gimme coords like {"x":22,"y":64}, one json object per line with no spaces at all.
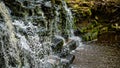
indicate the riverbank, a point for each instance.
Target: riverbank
{"x":97,"y":55}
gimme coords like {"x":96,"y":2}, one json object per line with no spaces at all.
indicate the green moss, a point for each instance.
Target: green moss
{"x":100,"y":16}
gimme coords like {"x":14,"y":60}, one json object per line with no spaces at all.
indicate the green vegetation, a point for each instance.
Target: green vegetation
{"x":95,"y":17}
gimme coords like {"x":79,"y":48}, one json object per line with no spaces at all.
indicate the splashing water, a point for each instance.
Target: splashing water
{"x":25,"y":45}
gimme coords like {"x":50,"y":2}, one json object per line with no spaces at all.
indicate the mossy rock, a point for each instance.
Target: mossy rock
{"x":90,"y":36}
{"x":87,"y":37}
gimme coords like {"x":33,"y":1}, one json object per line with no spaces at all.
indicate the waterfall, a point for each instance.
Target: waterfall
{"x":69,"y":20}
{"x":28,"y":42}
{"x":12,"y":47}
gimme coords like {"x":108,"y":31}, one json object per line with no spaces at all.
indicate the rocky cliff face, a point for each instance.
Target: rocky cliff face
{"x":27,"y":30}
{"x":23,"y":8}
{"x":95,"y":17}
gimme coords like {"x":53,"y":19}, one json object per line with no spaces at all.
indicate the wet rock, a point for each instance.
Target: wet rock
{"x":72,"y":45}
{"x":53,"y":61}
{"x":58,"y":2}
{"x":45,"y":8}
{"x":22,"y":8}
{"x":71,"y":58}
{"x":57,"y":44}
{"x":12,"y":61}
{"x":2,"y":61}
{"x":43,"y":32}
{"x":65,"y":37}
{"x":35,"y":24}
{"x":77,"y":32}
{"x":65,"y":51}
{"x":67,"y":61}
{"x":30,"y":31}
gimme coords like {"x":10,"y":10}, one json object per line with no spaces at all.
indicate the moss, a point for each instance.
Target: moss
{"x":101,"y":15}
{"x":90,"y":36}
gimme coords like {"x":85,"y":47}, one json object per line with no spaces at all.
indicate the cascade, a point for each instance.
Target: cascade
{"x":36,"y":40}
{"x":11,"y":46}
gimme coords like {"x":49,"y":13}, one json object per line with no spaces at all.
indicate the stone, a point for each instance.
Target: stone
{"x":72,"y":45}
{"x":71,"y":58}
{"x":77,"y":32}
{"x":43,"y":32}
{"x":2,"y":60}
{"x":65,"y":37}
{"x":50,"y":14}
{"x":67,"y":61}
{"x":53,"y":61}
{"x":65,"y":51}
{"x":57,"y":44}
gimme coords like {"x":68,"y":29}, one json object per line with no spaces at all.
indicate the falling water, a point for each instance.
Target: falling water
{"x":38,"y":47}
{"x":27,"y":45}
{"x":12,"y":47}
{"x":70,"y":23}
{"x":69,"y":20}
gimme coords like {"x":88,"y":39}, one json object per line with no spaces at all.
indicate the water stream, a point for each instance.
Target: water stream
{"x":27,"y":44}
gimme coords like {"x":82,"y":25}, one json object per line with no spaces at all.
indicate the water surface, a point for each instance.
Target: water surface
{"x":98,"y":55}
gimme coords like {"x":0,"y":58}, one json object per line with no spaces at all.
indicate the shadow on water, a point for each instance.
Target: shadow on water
{"x":109,"y":37}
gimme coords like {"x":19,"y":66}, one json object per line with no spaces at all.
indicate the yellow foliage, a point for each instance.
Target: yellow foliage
{"x":76,"y":6}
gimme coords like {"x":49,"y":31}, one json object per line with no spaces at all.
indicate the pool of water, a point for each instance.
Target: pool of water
{"x":97,"y":55}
